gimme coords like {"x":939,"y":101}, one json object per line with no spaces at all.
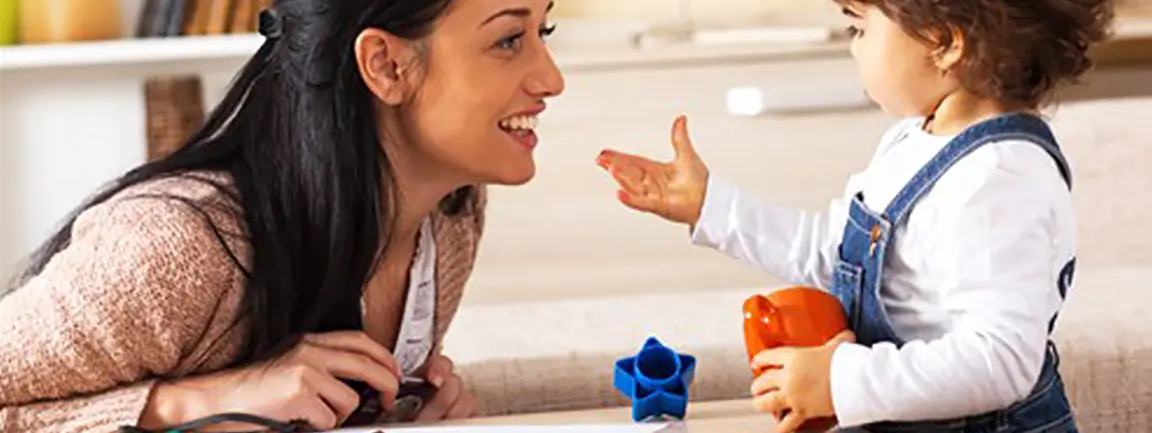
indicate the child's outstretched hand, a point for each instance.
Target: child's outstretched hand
{"x":673,"y":190}
{"x":797,"y":386}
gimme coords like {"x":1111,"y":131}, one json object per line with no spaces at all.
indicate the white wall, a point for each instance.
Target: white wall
{"x":701,"y":10}
{"x":66,"y":131}
{"x":48,"y":166}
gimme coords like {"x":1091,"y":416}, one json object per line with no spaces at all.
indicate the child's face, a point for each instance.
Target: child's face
{"x":899,"y":72}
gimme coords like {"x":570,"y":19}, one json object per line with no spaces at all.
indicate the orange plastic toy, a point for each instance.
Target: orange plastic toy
{"x":795,"y":316}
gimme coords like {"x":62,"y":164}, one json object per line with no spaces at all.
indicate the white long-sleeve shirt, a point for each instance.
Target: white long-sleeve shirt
{"x":970,"y":283}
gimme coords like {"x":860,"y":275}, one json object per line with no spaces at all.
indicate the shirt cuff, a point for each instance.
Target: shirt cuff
{"x":715,"y":213}
{"x":848,"y":385}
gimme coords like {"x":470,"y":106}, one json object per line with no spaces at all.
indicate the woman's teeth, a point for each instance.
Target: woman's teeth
{"x":515,"y":123}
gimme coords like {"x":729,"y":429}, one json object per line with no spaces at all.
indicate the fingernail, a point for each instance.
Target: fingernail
{"x":436,"y":380}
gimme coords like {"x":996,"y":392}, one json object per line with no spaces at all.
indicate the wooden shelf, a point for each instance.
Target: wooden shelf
{"x":140,"y":56}
{"x":127,"y":52}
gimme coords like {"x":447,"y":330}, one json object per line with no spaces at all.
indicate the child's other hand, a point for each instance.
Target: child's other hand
{"x":673,"y":190}
{"x":796,"y":387}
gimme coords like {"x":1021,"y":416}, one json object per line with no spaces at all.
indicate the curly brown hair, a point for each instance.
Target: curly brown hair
{"x":1018,"y":51}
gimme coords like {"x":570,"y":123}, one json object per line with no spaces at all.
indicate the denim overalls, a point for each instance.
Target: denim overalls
{"x":860,"y":266}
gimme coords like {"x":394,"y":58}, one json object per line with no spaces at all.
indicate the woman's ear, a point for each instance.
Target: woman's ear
{"x":380,"y":56}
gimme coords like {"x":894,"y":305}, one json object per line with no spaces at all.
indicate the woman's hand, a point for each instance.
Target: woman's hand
{"x":305,"y":384}
{"x":797,"y":386}
{"x":673,"y":190}
{"x":451,"y":400}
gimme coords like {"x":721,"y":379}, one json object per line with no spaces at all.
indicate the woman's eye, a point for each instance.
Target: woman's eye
{"x":511,"y":42}
{"x":547,"y":31}
{"x":854,"y":31}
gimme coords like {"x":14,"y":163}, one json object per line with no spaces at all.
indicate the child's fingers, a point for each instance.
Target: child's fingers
{"x":843,"y":337}
{"x":632,"y":179}
{"x":791,"y":422}
{"x":638,"y":202}
{"x":777,"y":357}
{"x":608,"y":158}
{"x":604,"y":161}
{"x":768,"y":381}
{"x":770,"y":403}
{"x":681,"y":142}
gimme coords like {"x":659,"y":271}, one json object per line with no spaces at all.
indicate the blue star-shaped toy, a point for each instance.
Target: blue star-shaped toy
{"x":656,"y":380}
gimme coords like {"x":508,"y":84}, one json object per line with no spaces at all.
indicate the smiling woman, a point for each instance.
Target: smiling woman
{"x":482,"y":68}
{"x":305,"y":251}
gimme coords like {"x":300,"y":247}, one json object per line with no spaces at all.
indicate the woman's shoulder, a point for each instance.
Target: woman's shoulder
{"x":200,"y":188}
{"x":184,"y":197}
{"x":468,"y":221}
{"x":457,"y":239}
{"x":179,"y":238}
{"x":145,"y":285}
{"x":458,"y":236}
{"x":196,"y":211}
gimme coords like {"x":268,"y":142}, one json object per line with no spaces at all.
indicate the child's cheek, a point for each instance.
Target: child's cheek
{"x":871,"y":71}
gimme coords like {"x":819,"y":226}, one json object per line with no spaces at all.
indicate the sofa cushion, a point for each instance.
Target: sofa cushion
{"x":1109,"y":152}
{"x":535,"y":357}
{"x":548,"y":356}
{"x":1106,"y":351}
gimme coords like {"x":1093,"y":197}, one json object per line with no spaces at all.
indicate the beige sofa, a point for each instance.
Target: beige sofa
{"x":569,"y":281}
{"x":547,"y":356}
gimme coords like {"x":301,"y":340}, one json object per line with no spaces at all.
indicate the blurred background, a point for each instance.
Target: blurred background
{"x":91,"y":88}
{"x":568,"y":280}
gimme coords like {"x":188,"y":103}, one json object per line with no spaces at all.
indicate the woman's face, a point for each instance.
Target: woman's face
{"x":484,"y":75}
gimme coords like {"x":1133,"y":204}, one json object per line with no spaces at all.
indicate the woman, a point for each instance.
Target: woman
{"x":308,"y":247}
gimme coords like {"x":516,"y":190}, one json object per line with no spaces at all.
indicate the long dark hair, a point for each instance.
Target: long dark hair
{"x":297,"y":135}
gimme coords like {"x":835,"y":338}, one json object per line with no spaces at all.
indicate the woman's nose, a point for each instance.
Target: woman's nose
{"x":546,"y":79}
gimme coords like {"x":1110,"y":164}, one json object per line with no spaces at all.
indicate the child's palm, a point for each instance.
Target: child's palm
{"x":673,"y":190}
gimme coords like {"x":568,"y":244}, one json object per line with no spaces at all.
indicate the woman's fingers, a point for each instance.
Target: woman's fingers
{"x":317,"y":413}
{"x":354,"y":366}
{"x":465,"y":406}
{"x":359,"y":342}
{"x":446,"y":396}
{"x":338,"y":396}
{"x":440,"y":368}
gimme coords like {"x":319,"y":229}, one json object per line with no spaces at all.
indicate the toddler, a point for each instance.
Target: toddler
{"x":951,"y":252}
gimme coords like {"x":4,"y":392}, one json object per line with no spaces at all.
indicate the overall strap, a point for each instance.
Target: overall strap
{"x":1016,"y":126}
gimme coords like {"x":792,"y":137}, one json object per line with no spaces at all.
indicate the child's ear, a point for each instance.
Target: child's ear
{"x":950,"y":51}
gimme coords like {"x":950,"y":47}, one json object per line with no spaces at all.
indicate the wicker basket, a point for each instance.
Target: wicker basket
{"x":1134,"y":8}
{"x":175,"y":109}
